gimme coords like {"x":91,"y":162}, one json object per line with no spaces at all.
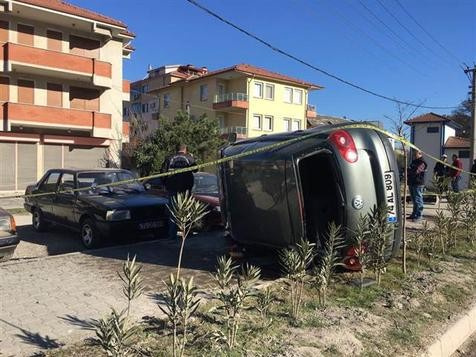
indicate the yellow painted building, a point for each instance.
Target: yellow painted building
{"x":244,"y":99}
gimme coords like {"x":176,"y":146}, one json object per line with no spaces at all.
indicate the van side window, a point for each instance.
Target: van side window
{"x":49,"y":184}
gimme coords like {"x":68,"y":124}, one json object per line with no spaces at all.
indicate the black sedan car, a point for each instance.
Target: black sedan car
{"x":8,"y":235}
{"x":100,"y":209}
{"x":335,"y":173}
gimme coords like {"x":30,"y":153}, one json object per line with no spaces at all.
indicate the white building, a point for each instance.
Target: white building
{"x":435,"y":135}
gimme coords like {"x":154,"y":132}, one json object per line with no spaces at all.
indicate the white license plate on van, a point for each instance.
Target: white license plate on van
{"x":389,"y":181}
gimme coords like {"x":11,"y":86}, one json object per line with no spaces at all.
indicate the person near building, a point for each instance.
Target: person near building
{"x":473,"y":168}
{"x":455,"y":173}
{"x":178,"y":183}
{"x":440,"y":172}
{"x":416,"y":183}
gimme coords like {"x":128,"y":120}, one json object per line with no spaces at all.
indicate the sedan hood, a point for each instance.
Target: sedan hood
{"x":124,"y":201}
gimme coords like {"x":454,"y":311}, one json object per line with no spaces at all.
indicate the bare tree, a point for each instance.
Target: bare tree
{"x":404,"y":113}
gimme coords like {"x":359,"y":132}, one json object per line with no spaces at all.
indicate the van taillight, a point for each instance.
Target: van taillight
{"x":345,"y":144}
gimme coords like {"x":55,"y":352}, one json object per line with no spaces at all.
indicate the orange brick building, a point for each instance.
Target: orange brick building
{"x":61,"y":89}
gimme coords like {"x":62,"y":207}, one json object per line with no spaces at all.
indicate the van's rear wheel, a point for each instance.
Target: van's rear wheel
{"x":90,"y":236}
{"x":38,"y":222}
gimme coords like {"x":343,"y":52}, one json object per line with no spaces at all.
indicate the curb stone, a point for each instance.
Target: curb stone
{"x":454,"y":336}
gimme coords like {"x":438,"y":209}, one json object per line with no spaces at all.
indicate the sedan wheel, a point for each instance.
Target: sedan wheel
{"x":89,"y":234}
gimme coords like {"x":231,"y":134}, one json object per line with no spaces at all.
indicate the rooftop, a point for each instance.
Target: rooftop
{"x":263,"y":73}
{"x":457,"y":142}
{"x":427,"y":118}
{"x":63,"y":6}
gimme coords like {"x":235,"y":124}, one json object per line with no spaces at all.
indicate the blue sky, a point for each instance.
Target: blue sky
{"x":345,"y":37}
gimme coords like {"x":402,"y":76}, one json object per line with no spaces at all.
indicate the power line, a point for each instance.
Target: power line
{"x":409,"y":31}
{"x":427,"y":33}
{"x":392,"y":55}
{"x":286,"y":54}
{"x":394,"y":33}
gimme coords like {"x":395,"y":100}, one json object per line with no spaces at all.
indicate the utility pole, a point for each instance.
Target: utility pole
{"x":471,"y":72}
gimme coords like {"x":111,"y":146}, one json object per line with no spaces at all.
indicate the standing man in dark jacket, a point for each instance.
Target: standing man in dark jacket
{"x":416,"y":183}
{"x":456,"y":173}
{"x":181,"y":182}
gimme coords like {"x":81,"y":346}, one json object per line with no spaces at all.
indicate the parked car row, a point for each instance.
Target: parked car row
{"x":99,"y":211}
{"x":271,"y":198}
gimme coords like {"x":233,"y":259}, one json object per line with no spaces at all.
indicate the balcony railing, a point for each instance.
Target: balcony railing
{"x":56,"y":118}
{"x":31,"y":60}
{"x":239,"y":130}
{"x":225,"y":97}
{"x":230,"y":101}
{"x":311,"y":111}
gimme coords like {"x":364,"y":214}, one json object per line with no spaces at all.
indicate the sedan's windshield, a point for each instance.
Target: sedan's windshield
{"x":205,"y":184}
{"x":98,"y":178}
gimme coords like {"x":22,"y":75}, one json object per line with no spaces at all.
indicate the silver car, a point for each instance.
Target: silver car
{"x":277,"y":196}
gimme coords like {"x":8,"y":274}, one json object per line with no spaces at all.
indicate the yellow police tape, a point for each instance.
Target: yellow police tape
{"x":244,"y":154}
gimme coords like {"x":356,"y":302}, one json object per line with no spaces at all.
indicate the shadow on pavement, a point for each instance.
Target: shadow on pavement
{"x":35,"y":339}
{"x":77,"y":322}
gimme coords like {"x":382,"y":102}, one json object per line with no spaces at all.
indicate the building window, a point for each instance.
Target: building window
{"x":268,"y":123}
{"x":297,"y":96}
{"x":54,"y":40}
{"x":463,"y":154}
{"x":145,"y":108}
{"x":25,"y":34}
{"x":135,"y":109}
{"x":204,"y":92}
{"x":269,"y":91}
{"x":26,"y":91}
{"x":287,"y":124}
{"x":256,"y":122}
{"x":433,"y":129}
{"x":84,"y":98}
{"x":145,"y":88}
{"x":54,"y":96}
{"x":296,"y":125}
{"x":258,"y":90}
{"x":4,"y":89}
{"x":166,"y":100}
{"x":83,"y":46}
{"x":288,"y":95}
{"x":4,"y":31}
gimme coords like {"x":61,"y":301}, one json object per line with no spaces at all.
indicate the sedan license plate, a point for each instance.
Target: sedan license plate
{"x":151,"y":225}
{"x":389,"y":181}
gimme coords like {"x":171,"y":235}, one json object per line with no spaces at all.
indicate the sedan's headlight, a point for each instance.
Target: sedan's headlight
{"x":118,"y":215}
{"x":7,"y":224}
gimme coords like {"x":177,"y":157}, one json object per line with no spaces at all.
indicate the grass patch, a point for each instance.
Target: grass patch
{"x":352,"y":296}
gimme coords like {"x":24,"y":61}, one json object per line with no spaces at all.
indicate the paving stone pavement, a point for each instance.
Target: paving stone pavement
{"x":44,"y":303}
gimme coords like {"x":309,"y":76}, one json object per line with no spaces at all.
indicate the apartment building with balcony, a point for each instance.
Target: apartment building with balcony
{"x":244,"y":99}
{"x":61,"y":89}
